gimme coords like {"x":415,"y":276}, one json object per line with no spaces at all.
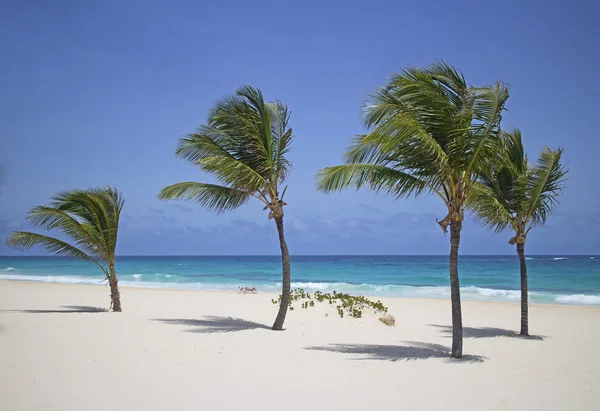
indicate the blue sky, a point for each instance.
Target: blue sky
{"x":97,"y":93}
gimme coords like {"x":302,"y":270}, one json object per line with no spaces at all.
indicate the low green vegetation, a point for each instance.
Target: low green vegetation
{"x":346,"y":304}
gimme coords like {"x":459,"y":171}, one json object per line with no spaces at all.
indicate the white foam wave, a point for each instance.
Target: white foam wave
{"x":320,"y":286}
{"x":478,"y":293}
{"x":10,"y":269}
{"x":53,"y":279}
{"x":561,"y":258}
{"x":390,"y":290}
{"x":579,"y":299}
{"x":156,"y":275}
{"x":529,"y":258}
{"x":492,"y":293}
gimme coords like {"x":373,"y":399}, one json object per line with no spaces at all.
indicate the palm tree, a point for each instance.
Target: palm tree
{"x":91,"y":219}
{"x":430,"y":133}
{"x":520,"y":196}
{"x":244,"y":146}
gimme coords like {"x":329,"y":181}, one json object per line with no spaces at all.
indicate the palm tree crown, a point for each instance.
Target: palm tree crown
{"x":90,"y":218}
{"x":244,"y":146}
{"x":517,"y":194}
{"x":430,"y":133}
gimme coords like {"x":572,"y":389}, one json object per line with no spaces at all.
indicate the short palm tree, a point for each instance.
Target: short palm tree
{"x":519,"y":196}
{"x":90,"y":218}
{"x":430,"y":133}
{"x":244,"y":146}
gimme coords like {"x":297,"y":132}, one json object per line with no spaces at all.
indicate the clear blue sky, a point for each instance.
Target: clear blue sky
{"x":97,"y":92}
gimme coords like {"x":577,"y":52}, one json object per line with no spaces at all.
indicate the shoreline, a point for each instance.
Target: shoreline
{"x":570,"y":282}
{"x":275,"y":294}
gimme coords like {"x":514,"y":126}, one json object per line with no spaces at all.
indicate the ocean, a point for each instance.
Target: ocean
{"x":552,"y":279}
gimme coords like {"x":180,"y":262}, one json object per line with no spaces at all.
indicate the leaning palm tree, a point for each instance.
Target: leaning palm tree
{"x":430,"y":133}
{"x":519,"y":196}
{"x":244,"y":146}
{"x":91,"y":219}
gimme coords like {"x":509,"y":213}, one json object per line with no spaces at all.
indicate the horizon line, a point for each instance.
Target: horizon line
{"x":315,"y":255}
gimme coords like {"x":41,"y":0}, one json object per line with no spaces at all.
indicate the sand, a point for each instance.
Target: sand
{"x":180,"y":350}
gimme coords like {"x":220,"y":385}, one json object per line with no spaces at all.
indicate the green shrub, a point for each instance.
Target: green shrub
{"x":348,"y":304}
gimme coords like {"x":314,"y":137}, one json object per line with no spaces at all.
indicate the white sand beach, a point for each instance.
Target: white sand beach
{"x":179,"y":350}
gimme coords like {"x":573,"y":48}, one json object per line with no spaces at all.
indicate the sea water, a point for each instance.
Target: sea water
{"x":552,"y":279}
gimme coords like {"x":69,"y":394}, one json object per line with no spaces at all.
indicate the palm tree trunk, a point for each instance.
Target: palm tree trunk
{"x":524,"y":291}
{"x":115,"y":296}
{"x":286,"y":281}
{"x":457,"y":331}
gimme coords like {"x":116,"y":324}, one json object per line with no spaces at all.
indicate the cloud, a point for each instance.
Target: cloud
{"x":181,"y":207}
{"x":156,"y":210}
{"x":368,"y":209}
{"x":307,"y":233}
{"x":159,"y":218}
{"x":300,"y":226}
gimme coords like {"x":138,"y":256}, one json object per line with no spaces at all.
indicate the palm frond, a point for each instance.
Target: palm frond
{"x":213,"y":197}
{"x":515,"y":150}
{"x":493,"y":211}
{"x":244,"y":146}
{"x":262,"y":115}
{"x":89,"y":217}
{"x":234,"y":173}
{"x":453,"y":84}
{"x":427,"y":100}
{"x":83,"y":234}
{"x":427,"y":124}
{"x":23,"y":240}
{"x":376,"y":177}
{"x":545,"y":183}
{"x":404,"y":141}
{"x":203,"y":149}
{"x":237,"y":126}
{"x":515,"y":193}
{"x":482,"y":144}
{"x":282,"y":137}
{"x":98,"y":210}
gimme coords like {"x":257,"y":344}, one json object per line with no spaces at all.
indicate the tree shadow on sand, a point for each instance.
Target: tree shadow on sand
{"x":68,"y":309}
{"x":213,"y":324}
{"x":412,"y":351}
{"x":487,"y":332}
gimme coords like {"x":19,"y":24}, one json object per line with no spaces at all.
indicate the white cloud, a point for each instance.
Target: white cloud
{"x":300,"y":226}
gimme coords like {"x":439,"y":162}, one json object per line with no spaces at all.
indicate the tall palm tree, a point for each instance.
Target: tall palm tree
{"x":91,"y":219}
{"x":430,"y":133}
{"x":520,"y":196}
{"x":244,"y":146}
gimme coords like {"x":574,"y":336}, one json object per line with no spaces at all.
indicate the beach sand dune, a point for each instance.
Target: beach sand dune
{"x":179,"y":350}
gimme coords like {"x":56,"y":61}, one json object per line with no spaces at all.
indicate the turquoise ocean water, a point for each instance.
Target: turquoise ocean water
{"x":552,"y":279}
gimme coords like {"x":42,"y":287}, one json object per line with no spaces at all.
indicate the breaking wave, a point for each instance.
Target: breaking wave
{"x":169,"y":281}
